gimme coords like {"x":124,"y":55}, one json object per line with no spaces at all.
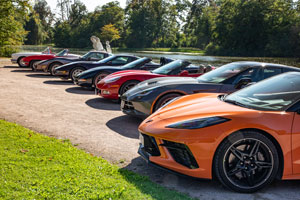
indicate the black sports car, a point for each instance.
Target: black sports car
{"x":51,"y":64}
{"x":69,"y":71}
{"x":148,"y":96}
{"x":91,"y":77}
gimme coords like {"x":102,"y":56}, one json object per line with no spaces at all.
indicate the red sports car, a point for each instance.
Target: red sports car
{"x":118,"y":83}
{"x":29,"y":61}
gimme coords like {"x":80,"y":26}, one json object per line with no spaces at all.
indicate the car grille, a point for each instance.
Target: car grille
{"x":181,"y":154}
{"x":128,"y":105}
{"x":150,"y":145}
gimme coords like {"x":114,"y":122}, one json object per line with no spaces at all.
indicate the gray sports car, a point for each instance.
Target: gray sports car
{"x":148,"y":96}
{"x":49,"y":65}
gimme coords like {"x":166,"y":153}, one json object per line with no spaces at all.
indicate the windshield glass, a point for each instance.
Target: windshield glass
{"x":85,"y":56}
{"x":273,"y":94}
{"x":222,"y":73}
{"x":134,"y":63}
{"x":47,"y":50}
{"x":62,"y":53}
{"x":170,"y":67}
{"x":105,"y":60}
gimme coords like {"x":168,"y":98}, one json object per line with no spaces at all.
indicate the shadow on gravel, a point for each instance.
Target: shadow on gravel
{"x":58,"y":82}
{"x":103,"y":104}
{"x":125,"y":125}
{"x":22,"y":70}
{"x":204,"y":189}
{"x":40,"y":75}
{"x":11,"y":67}
{"x":80,"y":90}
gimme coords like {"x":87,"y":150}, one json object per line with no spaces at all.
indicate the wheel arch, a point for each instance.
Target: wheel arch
{"x":77,"y":66}
{"x":98,"y":73}
{"x":266,"y":134}
{"x":127,"y":82}
{"x":53,"y":64}
{"x":180,"y":92}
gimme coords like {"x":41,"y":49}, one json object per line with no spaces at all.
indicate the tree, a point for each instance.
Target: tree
{"x":109,"y":33}
{"x":39,"y":26}
{"x":12,"y":33}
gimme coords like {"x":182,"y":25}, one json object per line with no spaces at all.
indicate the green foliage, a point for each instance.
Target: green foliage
{"x":34,"y":166}
{"x":221,"y":27}
{"x":12,"y":18}
{"x":109,"y":33}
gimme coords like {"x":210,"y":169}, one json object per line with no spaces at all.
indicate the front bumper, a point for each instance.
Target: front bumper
{"x":176,"y":157}
{"x":128,"y":108}
{"x":61,"y":74}
{"x":14,"y":61}
{"x":40,"y":67}
{"x":110,"y":91}
{"x":83,"y":83}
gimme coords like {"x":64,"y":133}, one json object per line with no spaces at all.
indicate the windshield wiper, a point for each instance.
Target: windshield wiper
{"x":236,"y":103}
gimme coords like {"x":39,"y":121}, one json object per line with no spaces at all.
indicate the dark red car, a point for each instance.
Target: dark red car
{"x":118,"y":83}
{"x":29,"y":61}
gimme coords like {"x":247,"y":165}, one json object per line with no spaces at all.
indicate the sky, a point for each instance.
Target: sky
{"x":90,"y":4}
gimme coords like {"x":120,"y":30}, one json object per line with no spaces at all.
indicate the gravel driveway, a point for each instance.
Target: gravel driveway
{"x":60,"y":109}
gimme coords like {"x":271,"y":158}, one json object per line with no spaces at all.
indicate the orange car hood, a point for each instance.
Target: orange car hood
{"x":199,"y":105}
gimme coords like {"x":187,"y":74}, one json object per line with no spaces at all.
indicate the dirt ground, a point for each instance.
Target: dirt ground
{"x":60,"y":109}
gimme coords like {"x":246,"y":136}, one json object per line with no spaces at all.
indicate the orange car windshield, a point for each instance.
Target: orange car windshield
{"x":222,"y":73}
{"x":274,"y":94}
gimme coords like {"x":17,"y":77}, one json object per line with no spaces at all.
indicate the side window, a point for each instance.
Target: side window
{"x":96,"y":56}
{"x":119,"y":60}
{"x":270,"y":71}
{"x":251,"y":73}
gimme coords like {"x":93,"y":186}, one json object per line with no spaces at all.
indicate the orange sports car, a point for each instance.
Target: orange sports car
{"x":245,"y":139}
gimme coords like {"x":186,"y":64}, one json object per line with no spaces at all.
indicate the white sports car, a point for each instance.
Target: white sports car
{"x":18,"y":57}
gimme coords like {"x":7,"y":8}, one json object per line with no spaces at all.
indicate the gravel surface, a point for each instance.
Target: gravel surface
{"x":60,"y":109}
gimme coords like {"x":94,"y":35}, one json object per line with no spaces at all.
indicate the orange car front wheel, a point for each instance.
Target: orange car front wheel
{"x":246,"y":161}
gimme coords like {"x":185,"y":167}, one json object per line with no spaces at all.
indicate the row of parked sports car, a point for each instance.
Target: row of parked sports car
{"x":239,"y":123}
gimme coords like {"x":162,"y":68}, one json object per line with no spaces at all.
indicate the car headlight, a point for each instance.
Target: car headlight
{"x":112,"y":79}
{"x":198,"y":123}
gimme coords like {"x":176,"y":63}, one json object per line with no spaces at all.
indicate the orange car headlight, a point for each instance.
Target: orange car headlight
{"x":198,"y":123}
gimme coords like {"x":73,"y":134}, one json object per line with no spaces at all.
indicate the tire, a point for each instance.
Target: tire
{"x":19,"y":61}
{"x":76,"y":71}
{"x":164,"y":99}
{"x":32,"y":63}
{"x":127,"y":85}
{"x":99,"y":77}
{"x":246,"y":161}
{"x":52,"y":67}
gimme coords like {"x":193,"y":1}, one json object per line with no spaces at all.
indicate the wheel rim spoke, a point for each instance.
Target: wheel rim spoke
{"x":255,"y":148}
{"x":234,"y":171}
{"x":237,"y":153}
{"x":262,"y":164}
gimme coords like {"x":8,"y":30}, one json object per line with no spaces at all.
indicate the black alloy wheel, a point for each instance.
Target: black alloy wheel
{"x":75,"y":72}
{"x":52,"y":67}
{"x":127,"y":86}
{"x":32,"y":63}
{"x":246,"y":161}
{"x":99,"y":77}
{"x":165,"y":99}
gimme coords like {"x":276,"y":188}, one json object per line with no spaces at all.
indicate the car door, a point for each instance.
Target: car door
{"x":296,"y":141}
{"x":230,"y":85}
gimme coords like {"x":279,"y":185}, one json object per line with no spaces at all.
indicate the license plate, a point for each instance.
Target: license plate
{"x":122,"y":104}
{"x":141,"y":137}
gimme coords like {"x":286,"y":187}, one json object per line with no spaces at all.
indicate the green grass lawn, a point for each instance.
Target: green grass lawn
{"x":34,"y":166}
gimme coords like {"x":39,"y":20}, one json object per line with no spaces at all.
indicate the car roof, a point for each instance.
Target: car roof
{"x":262,"y":64}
